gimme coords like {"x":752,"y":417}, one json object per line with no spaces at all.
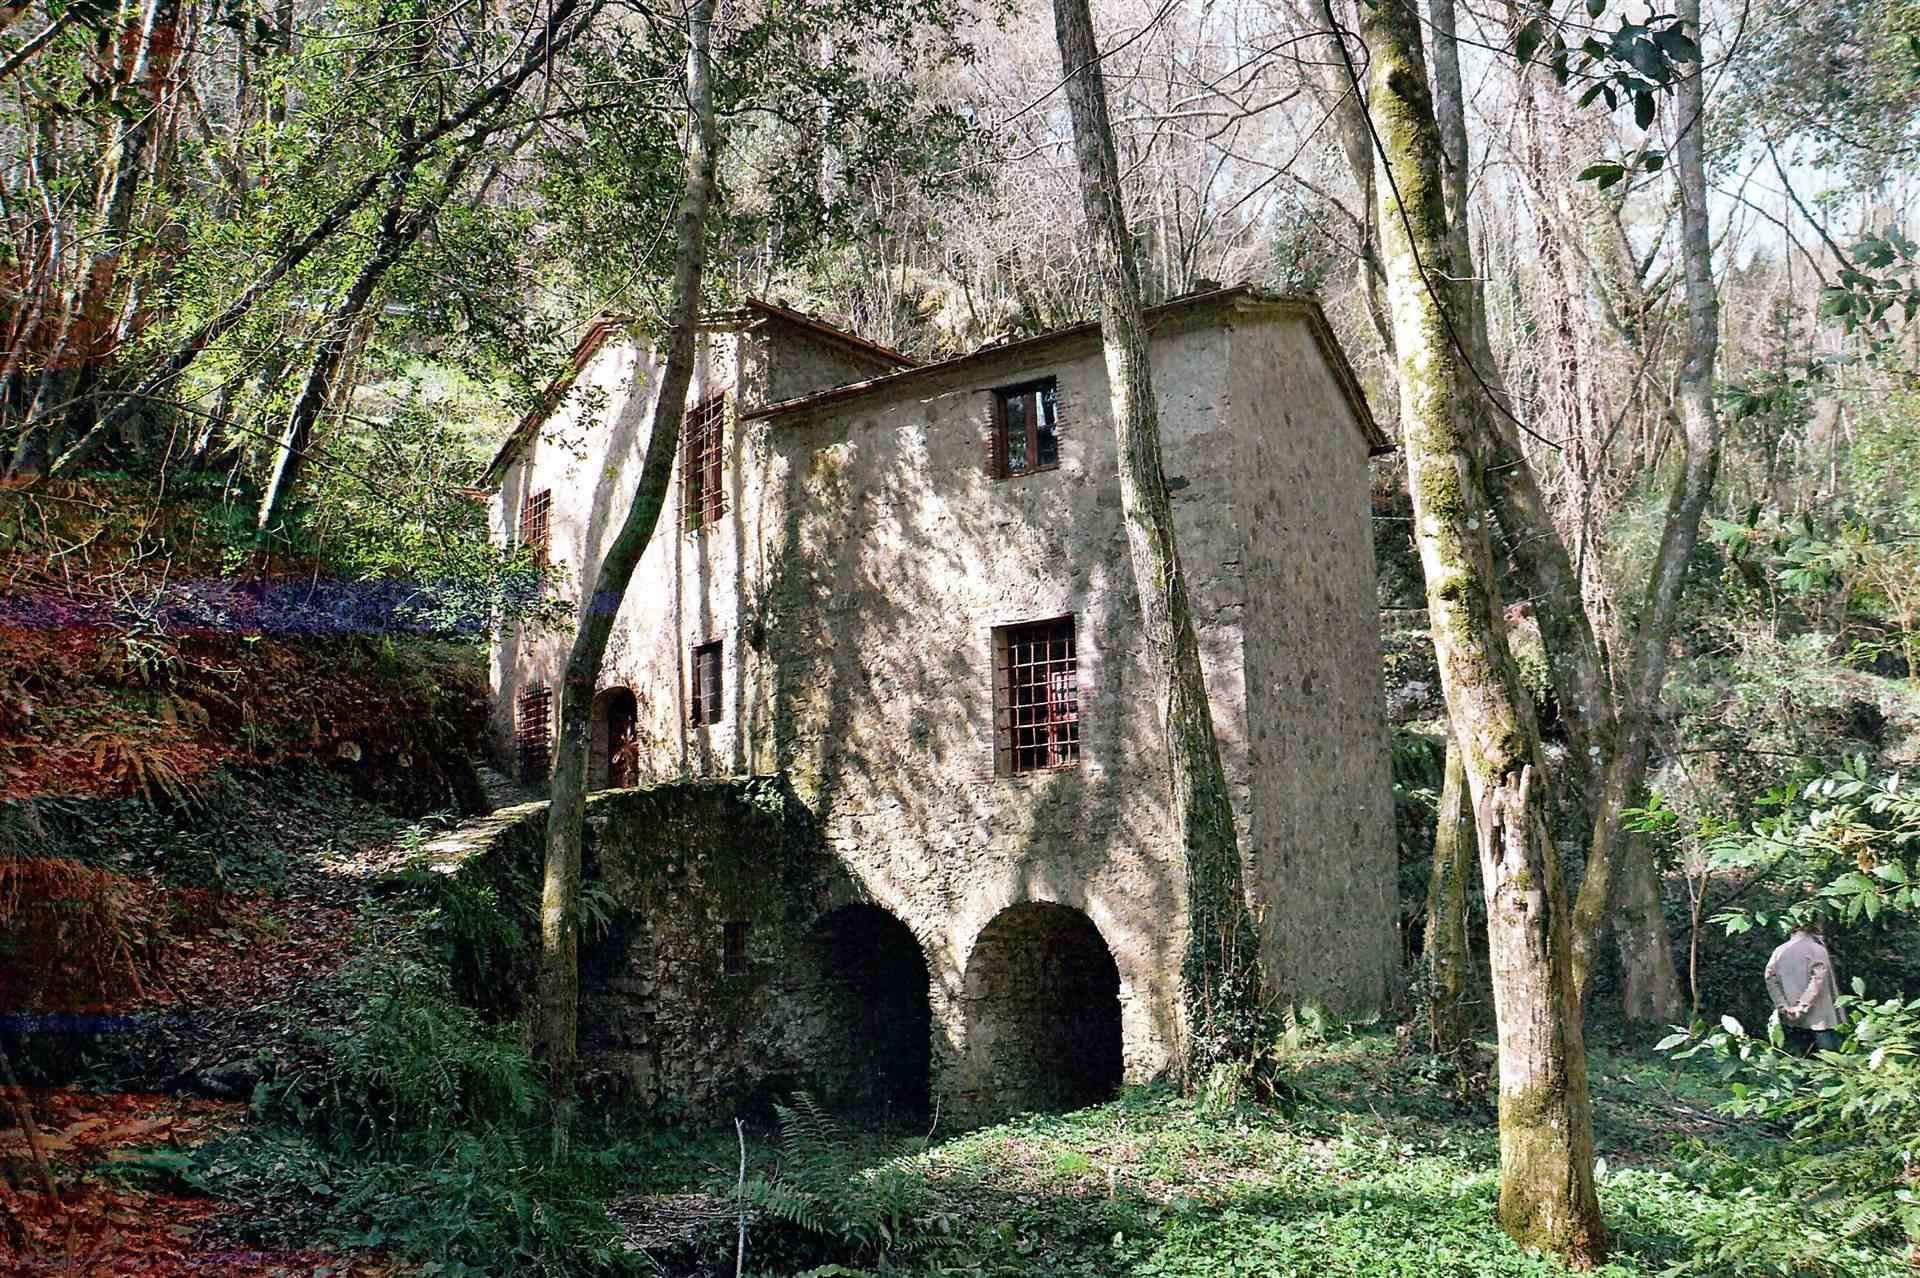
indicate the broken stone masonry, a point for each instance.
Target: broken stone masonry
{"x":896,"y":598}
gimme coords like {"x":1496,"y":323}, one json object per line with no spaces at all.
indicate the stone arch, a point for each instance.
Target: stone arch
{"x":614,"y":756}
{"x":869,"y":1016}
{"x":1042,"y":1005}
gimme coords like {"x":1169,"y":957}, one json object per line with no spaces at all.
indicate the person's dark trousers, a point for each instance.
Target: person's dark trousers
{"x":1805,"y":1042}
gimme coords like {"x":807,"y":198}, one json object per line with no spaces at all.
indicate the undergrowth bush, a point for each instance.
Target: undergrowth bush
{"x":830,"y":1207}
{"x":408,"y":1122}
{"x":412,"y":1062}
{"x":1842,"y":852}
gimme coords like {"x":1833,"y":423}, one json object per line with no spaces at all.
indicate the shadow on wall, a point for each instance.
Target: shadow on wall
{"x":881,"y":717}
{"x":1042,"y":1012}
{"x":867,"y":985}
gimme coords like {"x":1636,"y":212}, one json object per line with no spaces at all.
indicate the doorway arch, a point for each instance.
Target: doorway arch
{"x":1042,"y":1011}
{"x":613,"y":761}
{"x":871,"y":1046}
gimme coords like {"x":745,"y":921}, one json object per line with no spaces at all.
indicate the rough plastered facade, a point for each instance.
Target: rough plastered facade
{"x":866,"y":579}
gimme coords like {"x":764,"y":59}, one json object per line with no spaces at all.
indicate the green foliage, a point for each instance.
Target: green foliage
{"x":823,"y":1192}
{"x":409,"y":1124}
{"x":1843,"y":843}
{"x":390,"y":503}
{"x":478,"y":926}
{"x":408,"y":1060}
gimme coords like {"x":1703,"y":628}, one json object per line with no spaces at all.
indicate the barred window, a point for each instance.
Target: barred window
{"x":1037,"y":696}
{"x":531,"y":736}
{"x":1026,"y":428}
{"x":733,"y":948}
{"x":702,"y":498}
{"x":536,"y":525}
{"x":704,"y":702}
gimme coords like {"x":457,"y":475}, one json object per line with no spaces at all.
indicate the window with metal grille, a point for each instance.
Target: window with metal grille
{"x":536,"y":526}
{"x":1037,"y":694}
{"x":1026,"y":428}
{"x":703,"y":693}
{"x":733,"y":948}
{"x":531,"y":736}
{"x":702,"y":500}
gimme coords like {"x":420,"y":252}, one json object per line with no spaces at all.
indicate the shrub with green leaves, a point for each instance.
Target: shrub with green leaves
{"x":834,"y":1207}
{"x":1850,"y":1119}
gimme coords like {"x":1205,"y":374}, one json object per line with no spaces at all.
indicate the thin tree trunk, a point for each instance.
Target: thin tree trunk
{"x":1221,"y":971}
{"x":1576,"y":662}
{"x":1547,"y":1196}
{"x":557,"y":1011}
{"x":1448,"y":959}
{"x":398,"y":232}
{"x":1659,"y":611}
{"x":560,"y":28}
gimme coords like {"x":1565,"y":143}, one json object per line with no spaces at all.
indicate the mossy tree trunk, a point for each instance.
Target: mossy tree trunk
{"x":1220,"y":975}
{"x":556,"y":1013}
{"x":1547,"y":1196}
{"x":1448,"y":957}
{"x":1609,"y":742}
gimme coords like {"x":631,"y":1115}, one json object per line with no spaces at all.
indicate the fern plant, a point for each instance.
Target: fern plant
{"x":822,"y":1190}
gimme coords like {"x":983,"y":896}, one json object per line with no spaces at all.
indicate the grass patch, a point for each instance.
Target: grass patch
{"x":1379,"y":1176}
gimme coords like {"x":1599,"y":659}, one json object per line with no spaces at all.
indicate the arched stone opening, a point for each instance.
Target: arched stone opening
{"x":1042,"y":1013}
{"x":871,"y":1023}
{"x":613,"y":759}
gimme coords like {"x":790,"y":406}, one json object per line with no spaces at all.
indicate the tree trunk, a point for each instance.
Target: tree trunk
{"x":557,"y":1010}
{"x":1576,"y":662}
{"x":1448,"y":958}
{"x":397,"y":231}
{"x":1547,"y":1196}
{"x":1649,"y":981}
{"x":1659,"y":611}
{"x":1220,"y":974}
{"x":560,"y":28}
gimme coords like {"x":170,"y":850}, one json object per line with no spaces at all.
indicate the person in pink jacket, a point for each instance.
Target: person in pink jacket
{"x":1800,"y":981}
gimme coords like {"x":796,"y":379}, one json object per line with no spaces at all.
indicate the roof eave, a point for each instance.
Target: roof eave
{"x":1240,"y":296}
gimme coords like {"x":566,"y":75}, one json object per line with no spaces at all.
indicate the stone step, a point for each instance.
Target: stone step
{"x":503,"y":791}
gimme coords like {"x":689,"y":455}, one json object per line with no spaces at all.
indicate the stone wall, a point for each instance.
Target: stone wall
{"x":856,"y":581}
{"x":898,"y":556}
{"x":1322,"y":844}
{"x":691,"y":587}
{"x":737,"y":961}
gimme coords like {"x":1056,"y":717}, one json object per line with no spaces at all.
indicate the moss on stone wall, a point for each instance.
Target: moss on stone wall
{"x":702,"y":980}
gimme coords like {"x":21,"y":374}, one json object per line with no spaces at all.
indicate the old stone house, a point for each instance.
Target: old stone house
{"x":905,"y":589}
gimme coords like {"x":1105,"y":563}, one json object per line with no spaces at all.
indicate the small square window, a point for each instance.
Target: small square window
{"x":1026,"y":428}
{"x":704,"y":701}
{"x":1036,"y":696}
{"x":703,"y":499}
{"x":733,"y":948}
{"x":536,"y":525}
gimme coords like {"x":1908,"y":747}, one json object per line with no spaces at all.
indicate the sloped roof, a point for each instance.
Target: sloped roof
{"x":1240,"y":296}
{"x":607,"y":325}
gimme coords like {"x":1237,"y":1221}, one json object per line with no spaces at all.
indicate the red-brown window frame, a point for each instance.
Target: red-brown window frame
{"x":706,"y":698}
{"x":702,"y":457}
{"x":1036,"y":396}
{"x":533,"y":732}
{"x":1036,"y":733}
{"x":536,"y":525}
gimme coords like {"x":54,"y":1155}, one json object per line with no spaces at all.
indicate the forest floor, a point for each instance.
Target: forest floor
{"x":1383,"y":1172}
{"x":1387,"y":1166}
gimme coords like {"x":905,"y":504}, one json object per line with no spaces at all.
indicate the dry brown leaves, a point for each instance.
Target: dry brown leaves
{"x":93,"y":1229}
